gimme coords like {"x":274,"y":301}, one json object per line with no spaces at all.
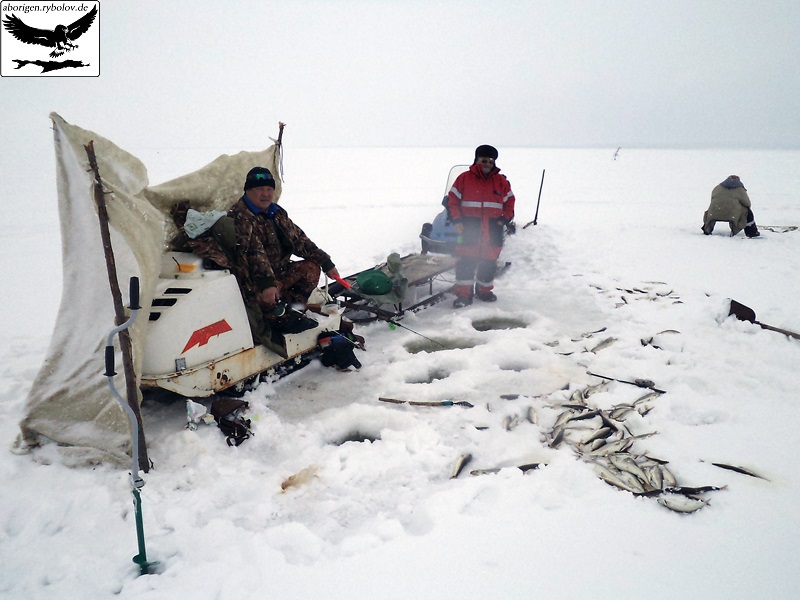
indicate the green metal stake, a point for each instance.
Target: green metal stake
{"x":141,"y":558}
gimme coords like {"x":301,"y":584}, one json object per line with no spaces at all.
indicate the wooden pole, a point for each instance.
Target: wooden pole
{"x":119,"y":309}
{"x":279,"y":148}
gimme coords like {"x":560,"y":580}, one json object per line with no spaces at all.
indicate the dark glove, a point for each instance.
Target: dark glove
{"x":511,"y":228}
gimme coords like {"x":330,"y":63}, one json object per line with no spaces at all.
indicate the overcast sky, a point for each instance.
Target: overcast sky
{"x":647,"y":73}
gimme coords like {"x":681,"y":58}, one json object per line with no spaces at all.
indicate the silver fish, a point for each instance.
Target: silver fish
{"x":578,"y":397}
{"x":653,"y":459}
{"x":654,"y":476}
{"x":524,"y":468}
{"x":599,"y":443}
{"x":558,"y":437}
{"x":593,"y":389}
{"x":613,"y":447}
{"x":575,"y":407}
{"x":643,"y":436}
{"x":583,"y":416}
{"x":624,"y":462}
{"x":461,"y":462}
{"x":575,"y":433}
{"x":591,"y":333}
{"x":694,"y":491}
{"x":646,"y":398}
{"x":682,"y":504}
{"x":601,"y":433}
{"x":608,"y":421}
{"x":668,"y":477}
{"x":613,"y":478}
{"x":485,"y":471}
{"x":632,"y":481}
{"x":741,"y":470}
{"x":564,"y":417}
{"x":531,"y":415}
{"x":619,"y":412}
{"x":604,"y":344}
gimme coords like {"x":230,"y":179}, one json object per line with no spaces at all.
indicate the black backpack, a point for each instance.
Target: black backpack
{"x":227,"y":412}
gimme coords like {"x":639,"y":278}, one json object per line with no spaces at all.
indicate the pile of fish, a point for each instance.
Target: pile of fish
{"x":602,"y":438}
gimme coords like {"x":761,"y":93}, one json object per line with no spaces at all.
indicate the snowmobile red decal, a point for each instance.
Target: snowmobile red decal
{"x":201,"y":336}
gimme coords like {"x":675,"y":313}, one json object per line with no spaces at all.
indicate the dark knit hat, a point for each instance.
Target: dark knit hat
{"x":259,"y":177}
{"x":485,"y":150}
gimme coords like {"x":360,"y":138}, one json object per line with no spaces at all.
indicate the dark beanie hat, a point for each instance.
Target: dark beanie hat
{"x":485,"y":150}
{"x":259,"y":177}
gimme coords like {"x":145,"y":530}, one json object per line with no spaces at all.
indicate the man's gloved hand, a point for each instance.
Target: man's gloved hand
{"x":511,"y":228}
{"x":268,"y":298}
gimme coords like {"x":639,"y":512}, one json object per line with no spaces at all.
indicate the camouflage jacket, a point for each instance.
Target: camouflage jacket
{"x":265,"y":246}
{"x":211,"y":245}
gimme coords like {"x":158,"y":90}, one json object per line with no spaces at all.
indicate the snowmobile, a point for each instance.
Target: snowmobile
{"x":440,"y":236}
{"x":199,"y":341}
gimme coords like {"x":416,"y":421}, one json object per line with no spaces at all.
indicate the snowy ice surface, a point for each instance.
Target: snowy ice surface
{"x":617,"y":246}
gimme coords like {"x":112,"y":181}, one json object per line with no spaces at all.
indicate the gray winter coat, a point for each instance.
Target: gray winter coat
{"x":729,"y":202}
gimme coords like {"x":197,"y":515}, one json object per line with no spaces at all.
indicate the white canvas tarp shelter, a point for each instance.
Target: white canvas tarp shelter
{"x":70,"y":402}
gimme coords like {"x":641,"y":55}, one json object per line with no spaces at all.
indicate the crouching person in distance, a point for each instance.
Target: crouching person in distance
{"x":266,"y":239}
{"x":481,"y":205}
{"x":730,"y":203}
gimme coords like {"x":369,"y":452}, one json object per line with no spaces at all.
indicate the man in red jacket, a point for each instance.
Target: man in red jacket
{"x":481,"y":205}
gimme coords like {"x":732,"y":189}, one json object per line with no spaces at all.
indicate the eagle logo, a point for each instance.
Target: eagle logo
{"x":61,"y":38}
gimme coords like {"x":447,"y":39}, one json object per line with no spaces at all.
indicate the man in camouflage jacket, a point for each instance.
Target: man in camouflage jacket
{"x":266,"y":239}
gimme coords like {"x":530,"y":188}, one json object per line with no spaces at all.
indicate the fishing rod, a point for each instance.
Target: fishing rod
{"x":392,"y":322}
{"x":380,"y":314}
{"x":384,"y":316}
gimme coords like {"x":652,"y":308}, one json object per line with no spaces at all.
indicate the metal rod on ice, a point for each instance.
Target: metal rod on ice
{"x":136,"y":480}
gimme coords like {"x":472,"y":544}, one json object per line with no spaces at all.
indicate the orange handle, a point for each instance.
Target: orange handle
{"x":343,"y":282}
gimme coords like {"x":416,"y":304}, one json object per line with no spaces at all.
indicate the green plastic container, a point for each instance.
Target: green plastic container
{"x":374,"y":282}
